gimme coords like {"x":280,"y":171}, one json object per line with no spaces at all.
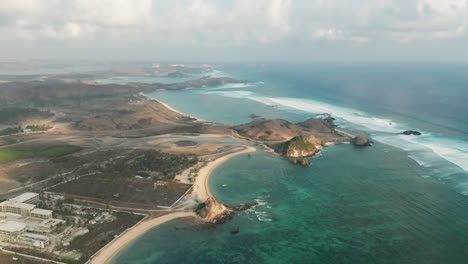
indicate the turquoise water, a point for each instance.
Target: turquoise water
{"x":404,"y":200}
{"x":349,"y":207}
{"x":379,"y":100}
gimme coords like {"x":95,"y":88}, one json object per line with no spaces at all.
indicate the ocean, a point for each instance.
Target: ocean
{"x":403,"y":200}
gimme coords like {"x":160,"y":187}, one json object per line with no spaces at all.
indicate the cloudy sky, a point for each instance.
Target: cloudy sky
{"x":237,"y":30}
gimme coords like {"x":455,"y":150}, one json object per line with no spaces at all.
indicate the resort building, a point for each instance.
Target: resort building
{"x":10,"y":230}
{"x":35,"y":240}
{"x":40,"y":213}
{"x":28,"y":197}
{"x":16,"y":208}
{"x":22,"y":223}
{"x":24,"y":205}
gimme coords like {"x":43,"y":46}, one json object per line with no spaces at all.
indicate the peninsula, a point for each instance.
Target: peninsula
{"x":110,"y":148}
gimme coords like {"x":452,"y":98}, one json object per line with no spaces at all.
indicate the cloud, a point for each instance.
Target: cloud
{"x":330,"y":33}
{"x":73,"y":19}
{"x":232,"y":24}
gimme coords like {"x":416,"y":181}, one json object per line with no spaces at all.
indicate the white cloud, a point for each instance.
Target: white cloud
{"x":330,"y":33}
{"x":233,"y":23}
{"x":73,"y":19}
{"x":111,"y":12}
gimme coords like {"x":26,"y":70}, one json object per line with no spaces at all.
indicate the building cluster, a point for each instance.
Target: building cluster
{"x":22,"y":223}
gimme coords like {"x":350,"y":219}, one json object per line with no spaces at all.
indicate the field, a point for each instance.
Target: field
{"x":33,"y":151}
{"x":100,"y":235}
{"x":123,"y":192}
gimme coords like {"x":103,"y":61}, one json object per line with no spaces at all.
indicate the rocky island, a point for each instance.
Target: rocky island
{"x":297,"y":141}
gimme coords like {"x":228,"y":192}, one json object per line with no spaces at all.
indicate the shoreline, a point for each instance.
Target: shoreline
{"x":109,"y":251}
{"x":171,"y":108}
{"x":201,"y":187}
{"x":201,"y":190}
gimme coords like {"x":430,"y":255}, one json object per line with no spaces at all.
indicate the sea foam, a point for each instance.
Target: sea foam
{"x":423,"y":149}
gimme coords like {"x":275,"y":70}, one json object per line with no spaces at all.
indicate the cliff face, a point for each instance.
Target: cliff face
{"x":299,"y":146}
{"x":214,"y":212}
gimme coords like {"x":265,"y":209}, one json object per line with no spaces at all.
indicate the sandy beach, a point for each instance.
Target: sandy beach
{"x":202,"y":192}
{"x":171,"y":108}
{"x":111,"y":249}
{"x":201,"y":186}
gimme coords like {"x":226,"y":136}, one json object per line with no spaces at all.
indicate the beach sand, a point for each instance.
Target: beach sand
{"x":111,"y":249}
{"x":202,"y":193}
{"x":171,"y":108}
{"x":201,"y":186}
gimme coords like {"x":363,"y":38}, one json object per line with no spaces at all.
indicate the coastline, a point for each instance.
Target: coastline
{"x":171,"y":108}
{"x":201,"y":190}
{"x":201,"y":185}
{"x":109,"y":251}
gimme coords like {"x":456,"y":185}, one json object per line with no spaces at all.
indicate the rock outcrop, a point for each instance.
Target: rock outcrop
{"x":177,"y":74}
{"x":361,"y":140}
{"x":411,"y":132}
{"x":299,"y":149}
{"x":301,"y":161}
{"x":214,"y":212}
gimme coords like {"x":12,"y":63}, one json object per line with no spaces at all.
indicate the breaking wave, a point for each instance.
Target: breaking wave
{"x":426,"y":149}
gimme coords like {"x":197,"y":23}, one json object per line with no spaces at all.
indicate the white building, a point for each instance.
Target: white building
{"x":16,"y":208}
{"x":24,"y":205}
{"x":10,"y":230}
{"x":27,"y":197}
{"x":40,"y":213}
{"x":35,"y":240}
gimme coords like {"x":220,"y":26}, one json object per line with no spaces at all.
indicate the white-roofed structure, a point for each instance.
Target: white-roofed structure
{"x":24,"y":205}
{"x":11,"y":229}
{"x":16,"y":208}
{"x":27,"y":197}
{"x":40,"y":213}
{"x":35,"y":240}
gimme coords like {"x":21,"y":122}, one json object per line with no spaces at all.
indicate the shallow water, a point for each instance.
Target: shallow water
{"x":382,"y":101}
{"x":349,"y":207}
{"x":400,"y":201}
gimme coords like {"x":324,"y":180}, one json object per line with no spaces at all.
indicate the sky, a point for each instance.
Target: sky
{"x":303,"y":31}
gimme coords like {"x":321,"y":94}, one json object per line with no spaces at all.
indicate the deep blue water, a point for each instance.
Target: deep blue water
{"x":404,"y":200}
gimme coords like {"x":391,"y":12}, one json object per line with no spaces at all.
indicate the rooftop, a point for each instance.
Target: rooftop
{"x":41,"y":211}
{"x":18,"y":205}
{"x":34,"y":237}
{"x":24,"y":197}
{"x":11,"y":226}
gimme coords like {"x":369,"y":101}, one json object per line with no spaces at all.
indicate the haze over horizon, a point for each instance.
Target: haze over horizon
{"x":238,"y":31}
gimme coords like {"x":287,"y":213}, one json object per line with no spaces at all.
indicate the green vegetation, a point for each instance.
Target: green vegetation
{"x":158,"y":165}
{"x":8,"y":114}
{"x":10,"y":131}
{"x":301,"y":143}
{"x":38,"y":127}
{"x":122,"y":111}
{"x":101,"y":234}
{"x":200,"y":207}
{"x":23,"y":152}
{"x":298,"y":144}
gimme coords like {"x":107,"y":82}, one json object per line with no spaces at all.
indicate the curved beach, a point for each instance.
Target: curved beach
{"x":201,"y":186}
{"x":202,"y":192}
{"x":111,"y":249}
